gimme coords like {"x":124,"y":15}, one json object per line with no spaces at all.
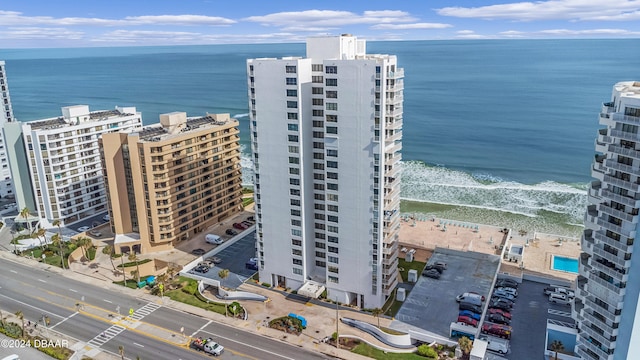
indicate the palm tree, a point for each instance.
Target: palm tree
{"x":20,"y":316}
{"x":223,"y":274}
{"x":162,"y":279}
{"x":108,"y":250}
{"x":134,"y":257}
{"x":56,"y":241}
{"x":57,"y":223}
{"x":465,"y":345}
{"x":135,"y":274}
{"x":556,"y":346}
{"x":25,"y":214}
{"x":377,"y":312}
{"x":83,"y":242}
{"x":41,"y":233}
{"x":121,"y":351}
{"x":124,"y":273}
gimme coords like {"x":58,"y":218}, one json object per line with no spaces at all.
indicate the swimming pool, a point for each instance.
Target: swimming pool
{"x":562,"y":263}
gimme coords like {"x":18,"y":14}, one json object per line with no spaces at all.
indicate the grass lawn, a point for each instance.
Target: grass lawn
{"x":247,"y":201}
{"x":131,"y":282}
{"x":370,"y":351}
{"x":404,"y":267}
{"x":195,"y":300}
{"x":394,"y":306}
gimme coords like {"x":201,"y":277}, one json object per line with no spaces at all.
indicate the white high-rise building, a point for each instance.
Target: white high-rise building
{"x":326,"y":136}
{"x":6,"y":115}
{"x":56,"y":162}
{"x":606,"y":309}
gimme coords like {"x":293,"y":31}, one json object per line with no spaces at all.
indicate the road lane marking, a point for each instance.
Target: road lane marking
{"x":31,"y":306}
{"x":109,"y":301}
{"x":201,"y":328}
{"x":73,"y":290}
{"x":138,"y":345}
{"x":42,"y":280}
{"x":251,"y":346}
{"x":65,"y":319}
{"x":13,"y":271}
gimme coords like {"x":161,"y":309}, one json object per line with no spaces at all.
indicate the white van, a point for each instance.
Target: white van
{"x":213,"y":239}
{"x":495,"y":344}
{"x":558,"y":298}
{"x":472,"y":298}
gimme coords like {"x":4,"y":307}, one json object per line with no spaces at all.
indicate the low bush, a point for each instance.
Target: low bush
{"x":427,"y":351}
{"x":133,"y":263}
{"x":266,"y":284}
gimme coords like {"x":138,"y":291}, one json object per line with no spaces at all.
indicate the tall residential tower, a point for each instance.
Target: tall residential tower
{"x":6,"y":115}
{"x":326,"y":136}
{"x":606,"y":307}
{"x":169,"y":181}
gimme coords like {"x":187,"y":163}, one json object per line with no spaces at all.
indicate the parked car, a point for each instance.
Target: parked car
{"x":438,"y":265}
{"x":498,"y":319}
{"x":239,"y":226}
{"x":231,"y":232}
{"x":560,"y":290}
{"x":251,"y":265}
{"x":201,"y":269}
{"x":213,"y":260}
{"x":502,"y":299}
{"x":432,"y":273}
{"x":500,"y":305}
{"x":469,"y":306}
{"x":504,"y":295}
{"x":83,"y":228}
{"x":95,"y":233}
{"x":247,"y":223}
{"x":494,"y":344}
{"x":473,"y":298}
{"x":468,"y":321}
{"x":500,"y":312}
{"x":475,"y":293}
{"x":509,"y":290}
{"x":198,"y":252}
{"x":507,"y":283}
{"x":10,"y":206}
{"x":251,"y":218}
{"x":503,"y":331}
{"x":561,"y":299}
{"x":213,"y":239}
{"x":106,"y":218}
{"x":470,"y":314}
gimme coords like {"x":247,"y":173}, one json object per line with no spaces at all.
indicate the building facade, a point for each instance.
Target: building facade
{"x":170,"y":181}
{"x":606,"y":307}
{"x":56,"y":162}
{"x":6,"y":115}
{"x":326,"y":135}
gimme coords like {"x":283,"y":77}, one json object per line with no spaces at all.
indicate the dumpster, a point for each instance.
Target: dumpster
{"x":151,"y":280}
{"x":142,"y":284}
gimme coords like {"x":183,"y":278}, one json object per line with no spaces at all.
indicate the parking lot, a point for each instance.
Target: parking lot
{"x":530,"y":313}
{"x":431,"y":305}
{"x":234,"y":257}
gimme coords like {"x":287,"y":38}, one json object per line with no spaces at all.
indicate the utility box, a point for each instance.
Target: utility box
{"x":412,"y":276}
{"x":409,"y":256}
{"x":401,"y":294}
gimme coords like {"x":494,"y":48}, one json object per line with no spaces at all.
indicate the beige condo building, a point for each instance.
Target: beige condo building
{"x":171,"y":180}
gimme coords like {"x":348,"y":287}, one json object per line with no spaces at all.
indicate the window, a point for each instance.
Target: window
{"x":318,"y":156}
{"x":321,"y":263}
{"x":295,"y":222}
{"x":297,"y":262}
{"x":333,"y":269}
{"x":297,"y":271}
{"x":293,"y":138}
{"x":332,"y":259}
{"x":331,"y":69}
{"x":293,"y":116}
{"x":318,"y":123}
{"x":294,"y":182}
{"x":333,"y":249}
{"x":296,"y":232}
{"x":331,"y":82}
{"x":295,"y":202}
{"x":290,"y":69}
{"x":320,"y":245}
{"x":332,"y":106}
{"x":318,"y":187}
{"x":319,"y":235}
{"x":332,"y":164}
{"x":332,"y":94}
{"x":332,"y":197}
{"x":318,"y":176}
{"x":294,"y":160}
{"x":294,"y":192}
{"x":296,"y":242}
{"x":332,"y":118}
{"x":332,"y":239}
{"x":317,"y":112}
{"x":294,"y":171}
{"x":332,"y":153}
{"x":317,"y":90}
{"x":331,"y":186}
{"x":291,"y":81}
{"x":292,"y":127}
{"x":320,"y":254}
{"x":318,"y":166}
{"x":319,"y":226}
{"x":317,"y":79}
{"x":333,"y":229}
{"x":332,"y":175}
{"x":316,"y":67}
{"x":332,"y":208}
{"x":318,"y":196}
{"x":295,"y":212}
{"x":292,"y":104}
{"x":332,"y":129}
{"x":332,"y":218}
{"x":318,"y":134}
{"x":292,"y":92}
{"x":319,"y":206}
{"x":317,"y":101}
{"x":333,"y":279}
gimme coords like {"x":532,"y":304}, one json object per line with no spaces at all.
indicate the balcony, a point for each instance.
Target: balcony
{"x":602,"y":352}
{"x":617,"y":213}
{"x":396,"y":124}
{"x":615,"y":273}
{"x":619,"y":261}
{"x":626,"y":119}
{"x":634,"y":202}
{"x":580,"y":350}
{"x":602,"y":325}
{"x":632,"y":153}
{"x":624,"y":135}
{"x":399,"y":73}
{"x":593,"y":278}
{"x":625,"y":184}
{"x":628,"y":233}
{"x":589,"y":301}
{"x":613,"y":164}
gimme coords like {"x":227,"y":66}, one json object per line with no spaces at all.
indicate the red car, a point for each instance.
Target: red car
{"x":503,"y":331}
{"x":500,"y":312}
{"x":239,"y":226}
{"x":468,"y":321}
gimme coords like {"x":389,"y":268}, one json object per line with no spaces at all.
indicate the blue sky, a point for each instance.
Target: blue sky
{"x":88,"y":23}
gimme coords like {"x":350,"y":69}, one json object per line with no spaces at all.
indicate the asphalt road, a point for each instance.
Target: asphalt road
{"x":36,"y":293}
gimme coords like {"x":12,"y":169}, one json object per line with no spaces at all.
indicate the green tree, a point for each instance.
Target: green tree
{"x":134,"y":257}
{"x":40,"y":234}
{"x":84,"y":242}
{"x":20,"y":316}
{"x":135,"y":274}
{"x":427,"y":351}
{"x":25,"y":213}
{"x":57,"y":241}
{"x":465,"y":345}
{"x":557,"y":346}
{"x":60,"y":244}
{"x":223,"y":274}
{"x":377,"y":312}
{"x":108,"y":250}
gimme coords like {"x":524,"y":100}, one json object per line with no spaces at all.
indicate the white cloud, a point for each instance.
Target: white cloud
{"x":410,"y":26}
{"x":582,"y":10}
{"x":14,"y":18}
{"x":590,"y":32}
{"x":330,"y":18}
{"x":512,"y":34}
{"x":465,"y":32}
{"x":185,"y":37}
{"x":40,"y":33}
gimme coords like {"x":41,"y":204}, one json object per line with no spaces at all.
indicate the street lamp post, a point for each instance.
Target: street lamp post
{"x":13,"y":240}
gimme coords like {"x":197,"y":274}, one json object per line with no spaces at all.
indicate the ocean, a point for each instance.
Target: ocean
{"x":498,"y":132}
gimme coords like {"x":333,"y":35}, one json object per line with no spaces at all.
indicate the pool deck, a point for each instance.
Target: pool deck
{"x":538,"y":247}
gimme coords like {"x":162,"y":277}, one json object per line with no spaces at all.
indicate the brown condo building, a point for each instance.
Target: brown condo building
{"x":171,"y":180}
